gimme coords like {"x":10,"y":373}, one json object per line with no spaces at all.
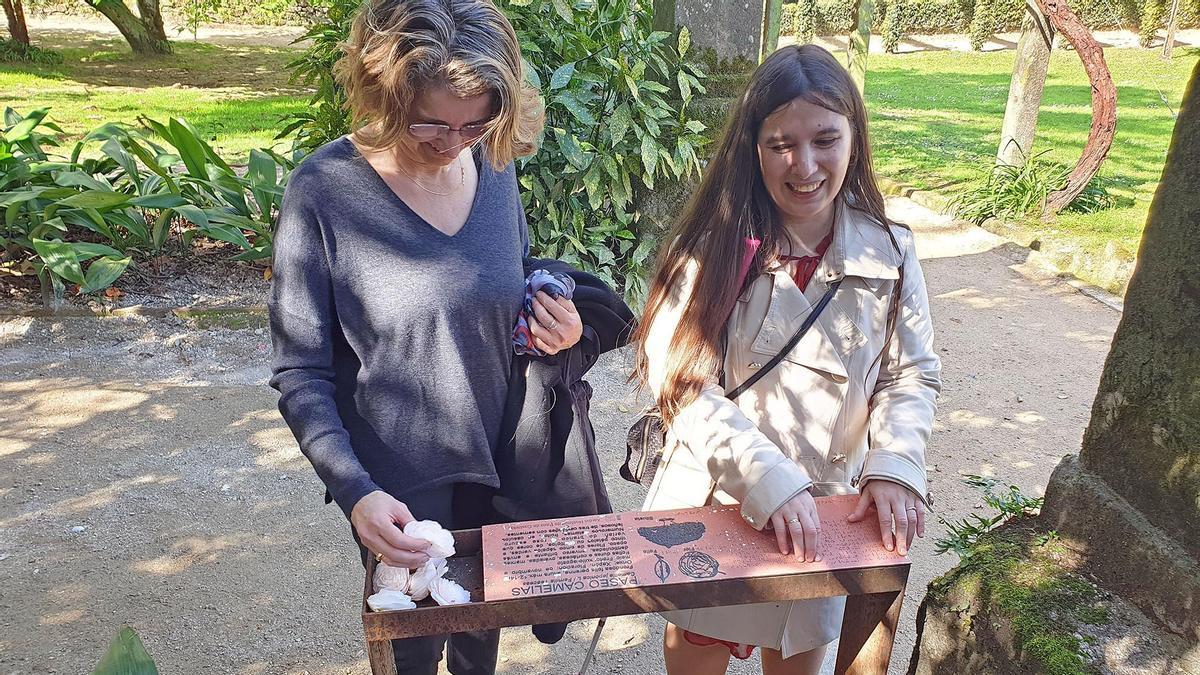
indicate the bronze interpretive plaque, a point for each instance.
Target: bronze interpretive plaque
{"x":621,"y":550}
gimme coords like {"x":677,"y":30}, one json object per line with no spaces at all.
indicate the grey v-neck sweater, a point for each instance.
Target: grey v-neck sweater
{"x":393,"y":340}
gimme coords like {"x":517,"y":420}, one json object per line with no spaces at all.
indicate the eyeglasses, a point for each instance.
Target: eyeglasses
{"x":429,"y":132}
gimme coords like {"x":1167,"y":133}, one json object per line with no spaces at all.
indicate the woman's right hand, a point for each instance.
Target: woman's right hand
{"x":797,"y":519}
{"x":378,"y":518}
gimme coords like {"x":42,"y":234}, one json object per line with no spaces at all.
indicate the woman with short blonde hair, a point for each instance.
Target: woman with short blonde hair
{"x":398,"y":48}
{"x":398,"y":279}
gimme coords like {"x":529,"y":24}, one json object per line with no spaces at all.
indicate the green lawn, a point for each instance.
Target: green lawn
{"x":234,"y":95}
{"x":936,"y":122}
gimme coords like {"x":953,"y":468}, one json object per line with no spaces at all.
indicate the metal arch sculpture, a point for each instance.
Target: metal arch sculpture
{"x":1104,"y":101}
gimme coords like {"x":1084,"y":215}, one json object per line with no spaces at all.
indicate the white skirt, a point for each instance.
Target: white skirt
{"x":789,"y":627}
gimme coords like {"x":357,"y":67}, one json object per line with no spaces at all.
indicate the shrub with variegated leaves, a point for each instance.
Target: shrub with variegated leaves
{"x":617,"y":99}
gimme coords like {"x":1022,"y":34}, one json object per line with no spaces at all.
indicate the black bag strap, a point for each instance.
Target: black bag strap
{"x":787,"y":348}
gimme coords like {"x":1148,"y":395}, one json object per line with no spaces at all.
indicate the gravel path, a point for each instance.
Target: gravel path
{"x":148,"y":479}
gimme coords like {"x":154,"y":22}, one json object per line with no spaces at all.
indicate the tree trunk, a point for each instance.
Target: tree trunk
{"x":1144,"y":435}
{"x":15,"y":13}
{"x":1172,"y":24}
{"x":664,"y":16}
{"x":140,"y":38}
{"x":1025,"y":91}
{"x":773,"y":14}
{"x":860,"y":41}
{"x":152,"y":18}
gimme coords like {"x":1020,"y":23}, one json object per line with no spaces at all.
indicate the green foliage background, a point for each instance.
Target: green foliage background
{"x":617,"y":121}
{"x":76,"y":219}
{"x":617,"y":97}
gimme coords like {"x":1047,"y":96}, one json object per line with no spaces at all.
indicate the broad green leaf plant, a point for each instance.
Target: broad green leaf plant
{"x":126,"y":656}
{"x":82,"y":221}
{"x":326,"y":117}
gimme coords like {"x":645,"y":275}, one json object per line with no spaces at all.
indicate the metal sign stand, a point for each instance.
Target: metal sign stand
{"x":874,"y":598}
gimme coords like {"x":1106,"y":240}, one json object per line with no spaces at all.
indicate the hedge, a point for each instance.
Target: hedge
{"x":801,"y":18}
{"x":250,"y":12}
{"x":834,"y":17}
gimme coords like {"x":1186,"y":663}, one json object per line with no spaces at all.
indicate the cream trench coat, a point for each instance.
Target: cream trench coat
{"x":836,"y":412}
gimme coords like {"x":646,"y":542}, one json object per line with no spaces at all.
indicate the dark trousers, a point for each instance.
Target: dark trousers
{"x":457,"y":507}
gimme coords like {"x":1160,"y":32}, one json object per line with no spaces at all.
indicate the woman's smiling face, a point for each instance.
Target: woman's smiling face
{"x":804,"y":153}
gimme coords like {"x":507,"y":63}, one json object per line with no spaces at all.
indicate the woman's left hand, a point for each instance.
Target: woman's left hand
{"x":892,"y":501}
{"x":555,"y":323}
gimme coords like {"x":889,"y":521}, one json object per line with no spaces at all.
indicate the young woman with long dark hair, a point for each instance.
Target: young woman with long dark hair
{"x":788,"y":208}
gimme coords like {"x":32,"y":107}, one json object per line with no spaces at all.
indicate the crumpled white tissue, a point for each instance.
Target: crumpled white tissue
{"x":447,"y":592}
{"x":440,"y":540}
{"x":421,"y":580}
{"x":389,"y":599}
{"x":394,"y":578}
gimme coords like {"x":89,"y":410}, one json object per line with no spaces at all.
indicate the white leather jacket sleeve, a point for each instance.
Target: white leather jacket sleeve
{"x":905,"y":395}
{"x":742,"y":461}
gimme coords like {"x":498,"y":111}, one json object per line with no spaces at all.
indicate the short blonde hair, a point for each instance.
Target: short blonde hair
{"x":399,"y":47}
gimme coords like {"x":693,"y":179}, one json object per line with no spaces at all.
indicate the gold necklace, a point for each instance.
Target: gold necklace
{"x":462,"y":176}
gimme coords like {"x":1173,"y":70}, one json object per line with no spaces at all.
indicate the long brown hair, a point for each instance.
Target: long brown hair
{"x":732,"y":204}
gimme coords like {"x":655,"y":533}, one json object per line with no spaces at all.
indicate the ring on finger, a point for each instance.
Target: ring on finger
{"x":552,"y":325}
{"x":911,"y":508}
{"x":793,"y":521}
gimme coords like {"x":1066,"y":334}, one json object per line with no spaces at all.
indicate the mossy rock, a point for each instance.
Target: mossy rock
{"x":726,"y":85}
{"x":1015,"y":605}
{"x":718,"y":65}
{"x":714,"y":113}
{"x":661,"y":207}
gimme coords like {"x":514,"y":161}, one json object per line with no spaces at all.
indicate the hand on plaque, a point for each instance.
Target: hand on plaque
{"x":901,"y":513}
{"x":797,"y":520}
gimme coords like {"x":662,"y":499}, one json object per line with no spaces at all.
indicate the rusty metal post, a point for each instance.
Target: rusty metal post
{"x":868,"y":629}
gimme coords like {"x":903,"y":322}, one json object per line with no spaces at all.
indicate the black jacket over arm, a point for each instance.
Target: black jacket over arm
{"x":547,"y":458}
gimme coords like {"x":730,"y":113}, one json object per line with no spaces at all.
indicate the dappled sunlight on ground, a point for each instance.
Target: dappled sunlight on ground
{"x":62,"y":618}
{"x":620,"y":632}
{"x":89,"y":502}
{"x":521,"y":652}
{"x":978,"y":300}
{"x":11,"y":446}
{"x":13,"y":329}
{"x":969,"y":418}
{"x":276,"y":449}
{"x":45,"y":407}
{"x":1102,"y":339}
{"x":185,"y":553}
